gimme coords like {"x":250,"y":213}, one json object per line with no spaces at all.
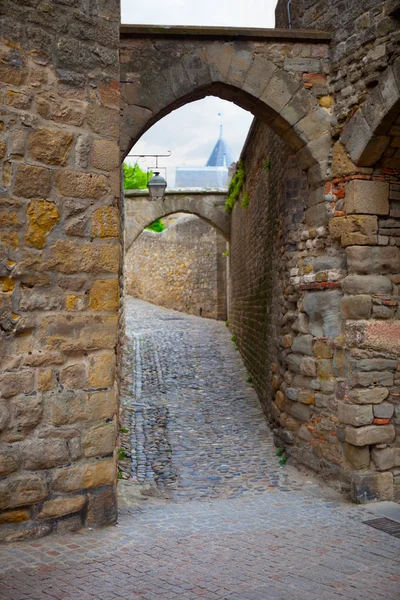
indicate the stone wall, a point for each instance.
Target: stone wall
{"x":313,"y":307}
{"x":316,"y":310}
{"x":365,"y":40}
{"x":59,"y":264}
{"x":183,"y":268}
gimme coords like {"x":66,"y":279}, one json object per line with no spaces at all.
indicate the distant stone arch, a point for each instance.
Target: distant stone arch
{"x":369,"y":131}
{"x":162,"y":69}
{"x":140,"y":211}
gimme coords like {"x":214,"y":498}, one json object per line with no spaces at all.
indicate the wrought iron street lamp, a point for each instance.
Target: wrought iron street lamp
{"x":157,"y":184}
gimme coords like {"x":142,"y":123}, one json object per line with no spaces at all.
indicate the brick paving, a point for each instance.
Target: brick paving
{"x":218,"y":518}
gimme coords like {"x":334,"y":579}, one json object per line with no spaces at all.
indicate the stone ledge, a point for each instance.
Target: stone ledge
{"x":295,"y":35}
{"x":179,"y":192}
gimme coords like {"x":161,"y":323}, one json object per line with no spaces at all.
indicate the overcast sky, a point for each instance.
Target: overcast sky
{"x":190,"y":132}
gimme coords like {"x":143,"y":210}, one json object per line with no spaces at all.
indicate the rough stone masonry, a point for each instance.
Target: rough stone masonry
{"x":60,"y":256}
{"x":183,"y":267}
{"x":314,"y":260}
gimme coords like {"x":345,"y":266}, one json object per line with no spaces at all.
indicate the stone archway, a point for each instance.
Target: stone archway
{"x":164,"y":68}
{"x":140,"y":212}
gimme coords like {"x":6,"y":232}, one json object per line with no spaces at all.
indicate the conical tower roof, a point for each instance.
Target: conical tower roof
{"x":221,"y":156}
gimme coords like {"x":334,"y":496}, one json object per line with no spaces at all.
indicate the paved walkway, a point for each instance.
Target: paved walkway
{"x":207,"y":511}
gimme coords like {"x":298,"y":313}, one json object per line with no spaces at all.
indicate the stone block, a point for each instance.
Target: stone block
{"x":302,"y":344}
{"x":42,"y":217}
{"x":370,"y":434}
{"x":76,"y":257}
{"x":102,"y":507}
{"x":16,"y":144}
{"x":258,"y":76}
{"x":102,"y":369}
{"x":368,"y":396}
{"x":74,"y":333}
{"x":4,"y":415}
{"x":67,"y":407}
{"x":299,"y":411}
{"x":323,"y":309}
{"x":314,"y":125}
{"x":103,"y":120}
{"x":355,"y":229}
{"x":386,"y":458}
{"x":22,"y":490}
{"x":358,"y":457}
{"x":356,"y":307}
{"x":100,"y":440}
{"x":280,"y":89}
{"x":341,"y":163}
{"x":293,"y":362}
{"x":14,"y":516}
{"x":106,"y":222}
{"x":367,"y":197}
{"x":101,"y":405}
{"x":292,"y":394}
{"x":382,"y":312}
{"x":371,"y":378}
{"x":44,"y":454}
{"x":353,"y":414}
{"x":63,"y":505}
{"x":385,"y":410}
{"x":364,"y":260}
{"x":78,"y":184}
{"x":302,"y":65}
{"x":82,"y":151}
{"x":104,"y":295}
{"x":373,"y":364}
{"x":304,"y":433}
{"x":32,"y":182}
{"x":27,"y":411}
{"x":322,"y":348}
{"x":12,"y":384}
{"x":10,"y":459}
{"x":83,"y":476}
{"x":43,"y":300}
{"x":280,"y":400}
{"x":71,"y":523}
{"x":317,"y":215}
{"x":74,"y":376}
{"x":367,"y":487}
{"x":306,"y":397}
{"x":377,"y":335}
{"x":50,"y":146}
{"x":308,"y":367}
{"x":105,"y":155}
{"x":367,"y":284}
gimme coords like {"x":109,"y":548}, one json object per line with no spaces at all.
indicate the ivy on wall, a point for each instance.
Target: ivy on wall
{"x":235,"y":186}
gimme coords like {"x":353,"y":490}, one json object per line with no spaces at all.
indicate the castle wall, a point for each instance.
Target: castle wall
{"x":183,"y":268}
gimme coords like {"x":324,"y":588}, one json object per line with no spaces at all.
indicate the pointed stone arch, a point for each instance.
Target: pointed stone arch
{"x":161,"y":70}
{"x":369,"y":131}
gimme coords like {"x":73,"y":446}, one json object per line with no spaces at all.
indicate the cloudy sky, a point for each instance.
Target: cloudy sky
{"x":191,"y":131}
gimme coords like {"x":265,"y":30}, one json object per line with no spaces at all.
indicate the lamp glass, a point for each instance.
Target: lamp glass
{"x":157,"y":186}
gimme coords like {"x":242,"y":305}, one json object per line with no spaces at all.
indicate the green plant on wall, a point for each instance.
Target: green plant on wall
{"x":267,"y":165}
{"x":135,"y":178}
{"x":157,"y":227}
{"x":235,"y":186}
{"x":246,"y":200}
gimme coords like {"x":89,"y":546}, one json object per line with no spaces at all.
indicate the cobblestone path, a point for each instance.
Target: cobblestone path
{"x":219,"y":518}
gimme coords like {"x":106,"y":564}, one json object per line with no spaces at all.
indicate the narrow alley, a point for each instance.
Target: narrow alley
{"x":208,"y":511}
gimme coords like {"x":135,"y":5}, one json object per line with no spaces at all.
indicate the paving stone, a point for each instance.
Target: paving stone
{"x":212,"y":513}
